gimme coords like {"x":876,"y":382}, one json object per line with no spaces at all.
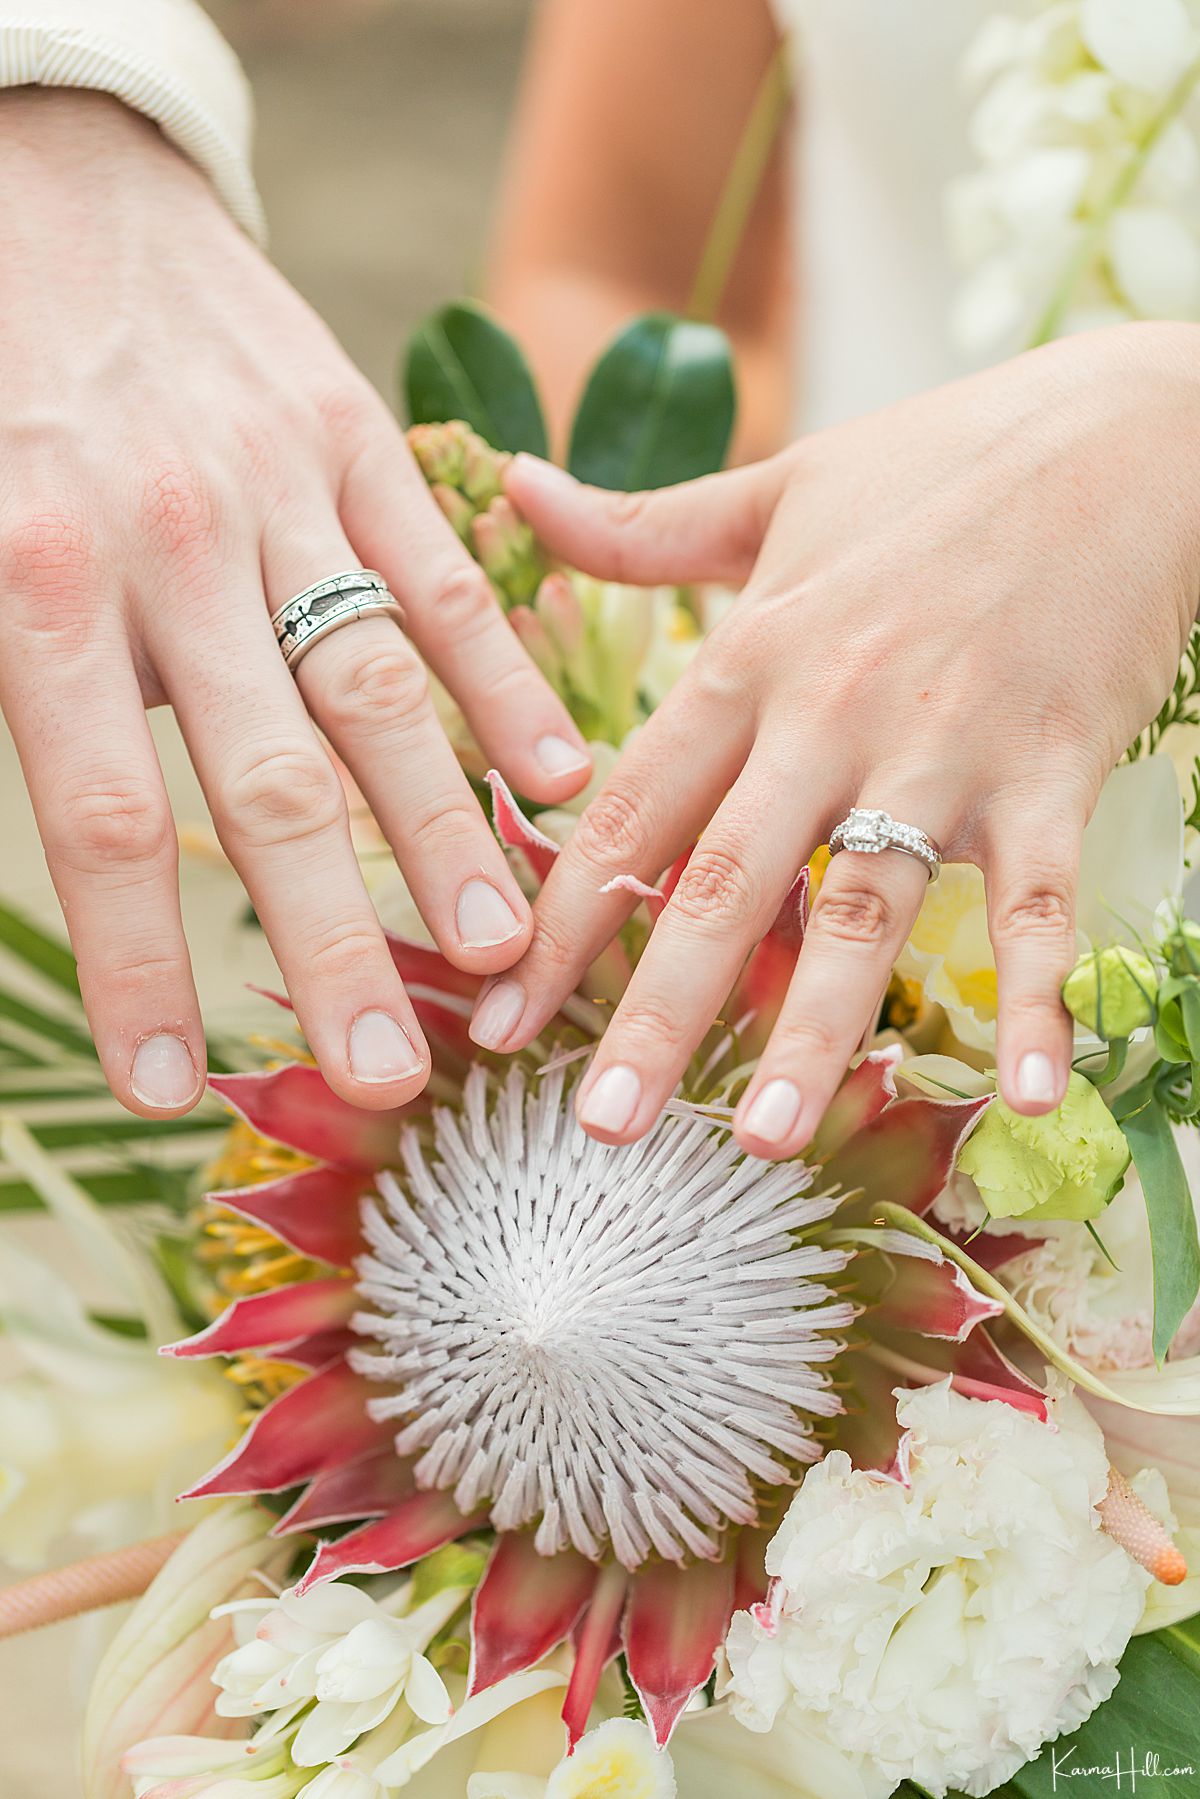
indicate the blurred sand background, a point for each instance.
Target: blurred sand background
{"x":379,"y":142}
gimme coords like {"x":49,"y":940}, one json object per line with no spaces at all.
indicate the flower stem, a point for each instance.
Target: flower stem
{"x":1088,"y":248}
{"x":741,"y":186}
{"x":85,"y":1586}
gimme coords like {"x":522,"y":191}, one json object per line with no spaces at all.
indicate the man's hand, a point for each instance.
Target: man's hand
{"x":183,"y":447}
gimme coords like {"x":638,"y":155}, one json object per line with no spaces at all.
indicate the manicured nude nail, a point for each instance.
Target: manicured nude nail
{"x":1035,"y":1079}
{"x":163,"y":1073}
{"x":773,"y":1112}
{"x":558,"y":757}
{"x":613,"y":1100}
{"x":380,"y":1050}
{"x":484,"y":917}
{"x":498,"y":1014}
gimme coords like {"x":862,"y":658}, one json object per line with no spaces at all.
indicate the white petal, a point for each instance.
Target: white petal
{"x":1147,"y":43}
{"x":1155,"y":261}
{"x":426,"y":1692}
{"x":619,"y":1756}
{"x":371,"y":1658}
{"x":505,"y":1786}
{"x":1037,"y":192}
{"x":331,"y":1610}
{"x":990,"y":310}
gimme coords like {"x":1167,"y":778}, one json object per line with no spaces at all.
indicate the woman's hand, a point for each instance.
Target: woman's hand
{"x":960,"y":610}
{"x":183,"y":447}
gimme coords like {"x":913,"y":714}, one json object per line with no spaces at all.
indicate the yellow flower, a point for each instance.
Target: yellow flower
{"x":950,"y":954}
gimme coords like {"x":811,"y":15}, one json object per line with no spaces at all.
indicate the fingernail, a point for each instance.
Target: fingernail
{"x":484,"y":917}
{"x":558,"y":757}
{"x":613,"y":1101}
{"x":380,"y":1050}
{"x":498,"y":1014}
{"x":1035,"y":1079}
{"x":773,"y":1112}
{"x":163,"y":1073}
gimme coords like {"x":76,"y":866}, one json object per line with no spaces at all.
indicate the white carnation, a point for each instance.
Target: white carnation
{"x":950,"y":1627}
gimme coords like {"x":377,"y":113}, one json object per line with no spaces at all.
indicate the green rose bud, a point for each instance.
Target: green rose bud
{"x":1067,"y":1164}
{"x":1112,"y":991}
{"x":1182,"y":948}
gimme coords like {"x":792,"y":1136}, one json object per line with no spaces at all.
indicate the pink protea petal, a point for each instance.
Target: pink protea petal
{"x":675,"y":1622}
{"x":317,"y":1352}
{"x":416,"y":1527}
{"x":316,"y":1212}
{"x":597,"y":1641}
{"x":980,"y":1370}
{"x":756,"y":999}
{"x":274,"y":1319}
{"x":295,"y":1106}
{"x":991,"y":1250}
{"x":906,"y":1154}
{"x":866,"y":1091}
{"x":791,"y":921}
{"x":654,"y":897}
{"x":867,"y":1429}
{"x":525,"y":1606}
{"x":516,"y":832}
{"x":750,"y":1568}
{"x":933,"y":1298}
{"x":318,"y":1424}
{"x":421,"y":965}
{"x":364,"y":1489}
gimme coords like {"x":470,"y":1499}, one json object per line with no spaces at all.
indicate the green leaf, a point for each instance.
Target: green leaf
{"x":1172,"y":1216}
{"x":460,"y":364}
{"x":658,"y":408}
{"x":32,"y":946}
{"x":1152,"y":1713}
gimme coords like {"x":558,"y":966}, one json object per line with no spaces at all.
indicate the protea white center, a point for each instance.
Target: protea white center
{"x":624,"y":1344}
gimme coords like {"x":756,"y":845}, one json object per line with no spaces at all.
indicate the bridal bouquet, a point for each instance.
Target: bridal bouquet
{"x":548,"y":1470}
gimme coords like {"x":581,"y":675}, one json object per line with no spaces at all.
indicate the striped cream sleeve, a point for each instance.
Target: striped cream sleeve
{"x":163,"y":58}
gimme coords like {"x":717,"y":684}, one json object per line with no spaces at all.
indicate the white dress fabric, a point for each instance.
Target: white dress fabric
{"x":881,"y":131}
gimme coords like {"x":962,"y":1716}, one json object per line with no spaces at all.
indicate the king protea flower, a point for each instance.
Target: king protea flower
{"x":618,"y":1360}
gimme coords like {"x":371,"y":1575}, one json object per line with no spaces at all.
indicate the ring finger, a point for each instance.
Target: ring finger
{"x":863,"y":917}
{"x":367,"y":689}
{"x":280,"y":813}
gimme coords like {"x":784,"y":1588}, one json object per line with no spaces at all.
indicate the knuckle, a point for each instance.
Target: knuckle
{"x":1042,"y":911}
{"x":446,"y":826}
{"x":287,"y":795}
{"x":365,"y":693}
{"x":48,"y":565}
{"x":714,"y":887}
{"x":808,"y":1037}
{"x":554,"y":956}
{"x":859,"y":915}
{"x":464,"y":602}
{"x":113,"y":823}
{"x":179,"y":514}
{"x":611,"y":832}
{"x":343,"y":951}
{"x":647,"y":1022}
{"x":128,"y":981}
{"x":347,"y":411}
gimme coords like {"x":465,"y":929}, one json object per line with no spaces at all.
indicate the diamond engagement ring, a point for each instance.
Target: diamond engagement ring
{"x":869,"y":833}
{"x":327,"y":606}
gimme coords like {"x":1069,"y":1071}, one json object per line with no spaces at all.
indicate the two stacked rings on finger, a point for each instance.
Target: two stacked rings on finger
{"x":867,"y":831}
{"x":326,"y":606}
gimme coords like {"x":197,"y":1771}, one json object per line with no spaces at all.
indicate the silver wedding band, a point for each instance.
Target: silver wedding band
{"x":327,"y":606}
{"x":868,"y":832}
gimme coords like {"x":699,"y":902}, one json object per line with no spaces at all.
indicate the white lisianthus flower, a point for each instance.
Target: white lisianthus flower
{"x":336,"y":1646}
{"x":949,"y":1626}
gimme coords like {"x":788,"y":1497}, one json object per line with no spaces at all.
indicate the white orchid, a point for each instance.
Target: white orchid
{"x":949,"y":1624}
{"x":617,"y":1757}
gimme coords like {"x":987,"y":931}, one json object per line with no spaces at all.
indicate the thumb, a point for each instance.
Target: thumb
{"x":706,"y":530}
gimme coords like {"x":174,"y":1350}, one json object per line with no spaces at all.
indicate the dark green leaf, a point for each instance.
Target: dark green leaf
{"x":1152,"y":1713}
{"x":32,"y":946}
{"x":1173,"y":1238}
{"x":658,"y":408}
{"x":461,"y":364}
{"x":45,"y":1024}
